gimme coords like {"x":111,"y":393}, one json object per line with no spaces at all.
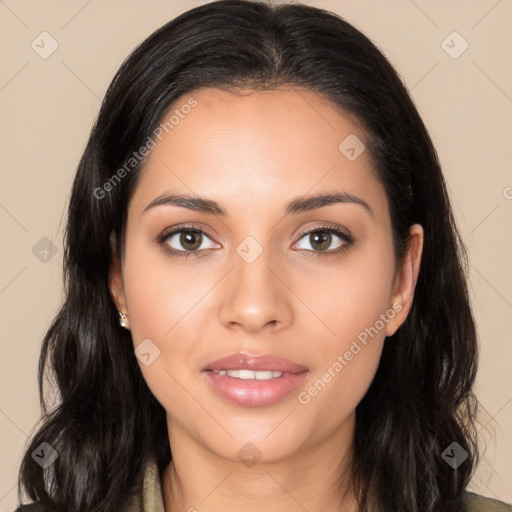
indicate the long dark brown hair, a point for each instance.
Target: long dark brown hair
{"x":107,"y":423}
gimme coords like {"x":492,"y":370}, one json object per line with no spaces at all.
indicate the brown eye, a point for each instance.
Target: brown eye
{"x":322,"y":240}
{"x":188,"y":240}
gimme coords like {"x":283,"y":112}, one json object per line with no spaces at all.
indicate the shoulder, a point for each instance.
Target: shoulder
{"x":473,"y":503}
{"x":32,"y":507}
{"x":477,"y":503}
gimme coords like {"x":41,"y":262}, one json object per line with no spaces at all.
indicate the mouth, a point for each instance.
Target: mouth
{"x":250,"y":375}
{"x":254,"y":380}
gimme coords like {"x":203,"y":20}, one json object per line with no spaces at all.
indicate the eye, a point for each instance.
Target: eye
{"x":320,"y":240}
{"x":186,"y":241}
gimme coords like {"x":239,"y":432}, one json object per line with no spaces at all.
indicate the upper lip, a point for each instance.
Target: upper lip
{"x":257,"y":362}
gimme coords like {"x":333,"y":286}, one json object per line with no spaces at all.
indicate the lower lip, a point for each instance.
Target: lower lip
{"x":252,"y":392}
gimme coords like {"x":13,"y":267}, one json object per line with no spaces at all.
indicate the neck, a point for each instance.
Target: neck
{"x":312,"y":479}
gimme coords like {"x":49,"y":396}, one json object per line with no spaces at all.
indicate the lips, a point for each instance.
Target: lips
{"x":254,"y":380}
{"x":263,"y":362}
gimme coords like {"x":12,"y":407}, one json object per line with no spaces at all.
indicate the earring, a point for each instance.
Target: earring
{"x":123,"y":322}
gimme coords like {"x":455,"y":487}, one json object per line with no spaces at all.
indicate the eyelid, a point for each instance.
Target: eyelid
{"x":332,"y":228}
{"x":185,"y":227}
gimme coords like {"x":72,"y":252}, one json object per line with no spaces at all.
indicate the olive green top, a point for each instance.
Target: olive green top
{"x":150,"y":499}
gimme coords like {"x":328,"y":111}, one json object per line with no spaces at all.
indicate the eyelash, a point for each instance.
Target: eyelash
{"x":162,"y":239}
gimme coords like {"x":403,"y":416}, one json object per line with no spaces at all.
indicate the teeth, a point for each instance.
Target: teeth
{"x":249,"y":374}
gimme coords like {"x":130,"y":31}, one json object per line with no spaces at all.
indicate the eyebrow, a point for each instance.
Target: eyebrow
{"x":298,"y":205}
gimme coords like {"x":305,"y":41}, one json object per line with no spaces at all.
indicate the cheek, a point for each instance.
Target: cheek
{"x":350,"y":296}
{"x":356,"y":301}
{"x":159,"y":294}
{"x":169,"y":308}
{"x":168,"y":303}
{"x":353,"y":301}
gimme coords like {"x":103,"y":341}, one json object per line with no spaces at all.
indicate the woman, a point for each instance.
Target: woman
{"x":266,"y":304}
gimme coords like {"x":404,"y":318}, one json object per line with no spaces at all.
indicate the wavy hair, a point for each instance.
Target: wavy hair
{"x":107,"y":423}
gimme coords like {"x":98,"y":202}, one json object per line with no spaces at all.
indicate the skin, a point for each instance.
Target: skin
{"x":253,"y":152}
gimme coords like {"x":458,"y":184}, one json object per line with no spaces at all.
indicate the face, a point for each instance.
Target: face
{"x":257,"y":268}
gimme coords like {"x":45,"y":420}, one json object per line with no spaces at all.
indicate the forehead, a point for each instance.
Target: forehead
{"x":248,"y":147}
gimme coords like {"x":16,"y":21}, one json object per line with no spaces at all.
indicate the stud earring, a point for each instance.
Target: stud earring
{"x":123,"y":320}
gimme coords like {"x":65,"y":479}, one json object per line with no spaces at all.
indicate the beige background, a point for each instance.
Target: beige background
{"x":47,"y":108}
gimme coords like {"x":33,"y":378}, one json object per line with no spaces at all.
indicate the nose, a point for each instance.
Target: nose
{"x":255,"y":296}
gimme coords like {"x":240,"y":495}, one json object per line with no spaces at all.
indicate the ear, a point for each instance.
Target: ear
{"x":405,"y":279}
{"x":116,"y":281}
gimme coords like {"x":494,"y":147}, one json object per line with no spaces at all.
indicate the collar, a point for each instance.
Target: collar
{"x":149,"y":498}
